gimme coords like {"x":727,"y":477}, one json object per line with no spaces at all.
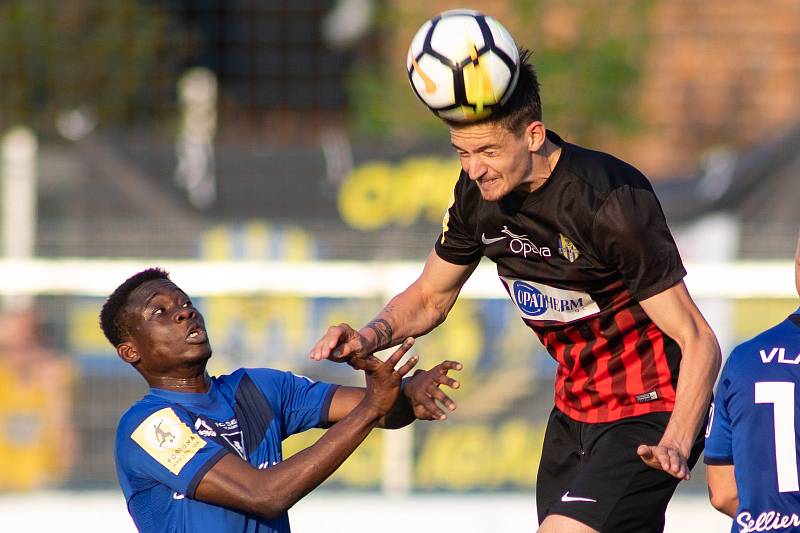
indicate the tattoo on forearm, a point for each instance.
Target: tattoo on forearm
{"x":383,"y":333}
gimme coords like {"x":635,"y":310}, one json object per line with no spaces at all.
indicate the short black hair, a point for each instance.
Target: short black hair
{"x":522,"y":107}
{"x":111,"y":313}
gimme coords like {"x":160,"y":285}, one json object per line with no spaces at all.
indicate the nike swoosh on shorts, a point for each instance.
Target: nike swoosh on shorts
{"x":567,"y":498}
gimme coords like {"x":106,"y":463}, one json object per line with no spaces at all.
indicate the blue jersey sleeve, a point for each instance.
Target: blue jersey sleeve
{"x":298,"y":403}
{"x":160,"y":445}
{"x":306,"y":403}
{"x":719,"y":446}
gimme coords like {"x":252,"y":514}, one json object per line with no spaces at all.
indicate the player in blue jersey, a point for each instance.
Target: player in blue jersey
{"x":752,"y":438}
{"x":203,"y":454}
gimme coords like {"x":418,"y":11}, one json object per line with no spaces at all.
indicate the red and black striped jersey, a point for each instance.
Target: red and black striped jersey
{"x":576,"y":256}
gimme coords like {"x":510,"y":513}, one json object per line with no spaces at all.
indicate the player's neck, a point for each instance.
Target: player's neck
{"x":544,"y":161}
{"x":195,"y":383}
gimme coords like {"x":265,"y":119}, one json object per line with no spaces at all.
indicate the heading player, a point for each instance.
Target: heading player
{"x":753,"y":434}
{"x":204,"y":454}
{"x":583,"y":250}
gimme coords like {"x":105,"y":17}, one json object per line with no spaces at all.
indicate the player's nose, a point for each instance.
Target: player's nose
{"x":475,"y":168}
{"x":185,"y":313}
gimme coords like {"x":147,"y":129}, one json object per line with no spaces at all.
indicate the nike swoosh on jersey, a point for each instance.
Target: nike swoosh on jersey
{"x":567,"y":498}
{"x":484,"y":240}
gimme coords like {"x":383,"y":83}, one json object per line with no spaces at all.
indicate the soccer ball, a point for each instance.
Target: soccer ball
{"x":463,"y":64}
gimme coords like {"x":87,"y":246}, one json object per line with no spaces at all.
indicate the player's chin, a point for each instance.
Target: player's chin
{"x":198,"y":352}
{"x":492,"y":190}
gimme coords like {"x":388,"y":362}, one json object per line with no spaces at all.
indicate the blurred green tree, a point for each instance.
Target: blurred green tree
{"x":589,"y":56}
{"x":114,"y":61}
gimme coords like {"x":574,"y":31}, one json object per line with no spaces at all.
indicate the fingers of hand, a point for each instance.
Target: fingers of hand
{"x":398,"y":354}
{"x":674,"y":461}
{"x":667,"y":459}
{"x":444,"y":399}
{"x":444,"y":379}
{"x":400,"y":351}
{"x":345,"y":350}
{"x":678,"y":466}
{"x":368,"y":363}
{"x":338,"y":352}
{"x":320,"y":350}
{"x":444,"y":366}
{"x":408,"y":365}
{"x":645,"y":452}
{"x":427,"y":403}
{"x":434,"y":412}
{"x":334,"y":344}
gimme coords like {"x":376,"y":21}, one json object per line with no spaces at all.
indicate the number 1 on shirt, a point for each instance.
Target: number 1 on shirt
{"x":781,"y":395}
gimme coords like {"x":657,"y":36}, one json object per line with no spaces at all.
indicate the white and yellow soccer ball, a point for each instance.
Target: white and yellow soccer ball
{"x":463,"y":64}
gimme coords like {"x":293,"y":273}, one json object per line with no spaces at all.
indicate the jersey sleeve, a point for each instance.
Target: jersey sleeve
{"x":305,"y":403}
{"x":457,"y":243}
{"x":161,"y":445}
{"x":632,"y":235}
{"x":719,"y":446}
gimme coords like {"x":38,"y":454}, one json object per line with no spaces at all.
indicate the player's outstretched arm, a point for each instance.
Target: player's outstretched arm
{"x":674,"y":312}
{"x":722,"y":490}
{"x":414,"y":312}
{"x":233,"y":483}
{"x":420,"y":399}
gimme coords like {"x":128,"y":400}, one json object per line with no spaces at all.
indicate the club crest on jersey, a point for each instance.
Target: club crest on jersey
{"x":567,"y":248}
{"x":537,"y":301}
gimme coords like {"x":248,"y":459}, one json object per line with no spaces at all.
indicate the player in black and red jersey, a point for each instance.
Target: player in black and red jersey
{"x":584,"y":251}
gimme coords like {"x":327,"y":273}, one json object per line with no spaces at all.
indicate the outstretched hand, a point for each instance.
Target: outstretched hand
{"x":665,"y":457}
{"x":339,"y":344}
{"x":383,"y":381}
{"x":423,"y":391}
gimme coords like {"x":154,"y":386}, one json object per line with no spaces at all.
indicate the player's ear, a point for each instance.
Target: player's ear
{"x":535,"y":135}
{"x":127,"y":352}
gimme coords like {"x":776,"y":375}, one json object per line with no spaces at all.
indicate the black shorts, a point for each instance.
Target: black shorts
{"x":591,"y":472}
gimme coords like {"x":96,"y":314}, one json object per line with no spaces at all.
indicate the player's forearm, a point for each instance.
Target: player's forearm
{"x":409,"y":314}
{"x":286,"y":483}
{"x":268,"y":493}
{"x":345,"y":399}
{"x":698,"y":371}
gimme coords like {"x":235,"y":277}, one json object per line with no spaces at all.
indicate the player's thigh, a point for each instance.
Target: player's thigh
{"x":641,"y":509}
{"x":609,"y":470}
{"x":563,"y":524}
{"x":559,"y":461}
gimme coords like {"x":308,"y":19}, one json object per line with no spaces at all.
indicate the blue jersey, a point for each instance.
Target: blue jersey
{"x":754,"y":425}
{"x":168,"y":441}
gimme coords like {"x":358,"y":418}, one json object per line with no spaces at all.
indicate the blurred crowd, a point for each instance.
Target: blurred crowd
{"x":38,"y":443}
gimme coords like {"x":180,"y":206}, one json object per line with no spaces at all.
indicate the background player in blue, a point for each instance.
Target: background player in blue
{"x":203,"y":454}
{"x":752,"y":437}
